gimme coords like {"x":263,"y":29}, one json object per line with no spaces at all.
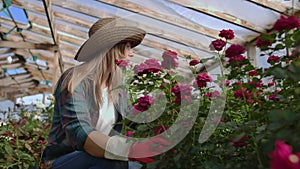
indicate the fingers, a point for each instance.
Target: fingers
{"x":144,"y":160}
{"x":161,"y":141}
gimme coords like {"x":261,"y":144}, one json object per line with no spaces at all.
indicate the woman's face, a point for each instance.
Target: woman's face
{"x":128,"y":51}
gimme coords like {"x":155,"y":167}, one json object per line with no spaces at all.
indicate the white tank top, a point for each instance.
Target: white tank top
{"x":107,"y":116}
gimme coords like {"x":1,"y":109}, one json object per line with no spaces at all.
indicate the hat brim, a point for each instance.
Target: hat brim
{"x":104,"y":39}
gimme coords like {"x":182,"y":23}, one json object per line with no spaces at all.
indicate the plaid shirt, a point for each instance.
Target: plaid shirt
{"x":75,"y":117}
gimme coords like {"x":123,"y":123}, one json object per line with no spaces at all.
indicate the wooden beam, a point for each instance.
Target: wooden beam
{"x":171,"y":36}
{"x":12,"y":66}
{"x":4,"y":51}
{"x":16,"y":77}
{"x":174,"y":37}
{"x":39,"y":27}
{"x":177,"y":21}
{"x":65,"y":27}
{"x":27,"y":45}
{"x":220,"y":15}
{"x":97,"y":11}
{"x":275,"y":5}
{"x":193,"y":42}
{"x":19,"y":83}
{"x":33,"y":36}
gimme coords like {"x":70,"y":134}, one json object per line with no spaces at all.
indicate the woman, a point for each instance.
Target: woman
{"x":86,"y":106}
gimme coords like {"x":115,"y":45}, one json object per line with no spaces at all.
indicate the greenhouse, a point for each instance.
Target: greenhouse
{"x":154,"y":84}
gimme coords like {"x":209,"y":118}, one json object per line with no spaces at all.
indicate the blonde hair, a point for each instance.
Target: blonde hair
{"x":101,"y":70}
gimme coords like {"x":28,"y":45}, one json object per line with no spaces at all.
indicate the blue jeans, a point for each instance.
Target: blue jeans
{"x":82,"y":160}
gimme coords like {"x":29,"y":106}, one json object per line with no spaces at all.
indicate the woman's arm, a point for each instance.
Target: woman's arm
{"x":95,"y":144}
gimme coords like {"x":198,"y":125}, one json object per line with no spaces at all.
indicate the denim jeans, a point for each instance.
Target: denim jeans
{"x":82,"y":160}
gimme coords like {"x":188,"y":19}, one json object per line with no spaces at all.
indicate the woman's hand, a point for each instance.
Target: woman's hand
{"x":144,"y":151}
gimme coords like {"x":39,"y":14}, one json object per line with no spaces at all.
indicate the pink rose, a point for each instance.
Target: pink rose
{"x":129,"y":133}
{"x":283,"y":158}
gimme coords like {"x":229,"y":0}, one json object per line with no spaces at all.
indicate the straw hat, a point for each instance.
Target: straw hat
{"x":106,"y":33}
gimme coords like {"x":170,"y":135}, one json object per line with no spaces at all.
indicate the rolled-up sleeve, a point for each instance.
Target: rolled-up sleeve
{"x":76,"y":118}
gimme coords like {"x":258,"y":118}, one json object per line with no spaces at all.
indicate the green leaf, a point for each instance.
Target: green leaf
{"x":179,"y":78}
{"x":143,"y":127}
{"x":279,"y":46}
{"x":207,"y":59}
{"x":269,"y":37}
{"x":8,"y":149}
{"x":280,"y":73}
{"x":296,"y":34}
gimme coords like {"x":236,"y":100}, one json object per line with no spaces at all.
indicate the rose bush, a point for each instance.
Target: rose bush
{"x":261,"y":116}
{"x":24,"y":138}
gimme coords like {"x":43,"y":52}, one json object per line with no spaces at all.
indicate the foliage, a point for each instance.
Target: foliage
{"x":24,"y":138}
{"x":262,"y":104}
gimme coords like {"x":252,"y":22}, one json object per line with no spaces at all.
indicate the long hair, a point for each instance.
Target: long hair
{"x":101,"y":70}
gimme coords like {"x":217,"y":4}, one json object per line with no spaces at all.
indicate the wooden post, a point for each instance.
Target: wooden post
{"x":251,"y":53}
{"x":55,"y":71}
{"x":44,"y":98}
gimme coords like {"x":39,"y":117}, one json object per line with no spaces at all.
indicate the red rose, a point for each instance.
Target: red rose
{"x":236,"y":60}
{"x":261,"y":43}
{"x":286,"y":23}
{"x":182,"y":92}
{"x":234,"y":50}
{"x":201,"y":80}
{"x":160,"y":129}
{"x":227,"y":34}
{"x":213,"y":94}
{"x":143,"y":104}
{"x":273,"y":59}
{"x":252,"y":73}
{"x":273,"y":97}
{"x":122,"y":63}
{"x":150,"y":65}
{"x":217,"y":45}
{"x":242,"y":94}
{"x":239,"y":143}
{"x":169,"y":60}
{"x":194,"y":62}
{"x":271,"y":83}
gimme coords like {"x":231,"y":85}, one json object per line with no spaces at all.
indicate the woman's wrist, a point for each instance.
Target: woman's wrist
{"x":117,"y":148}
